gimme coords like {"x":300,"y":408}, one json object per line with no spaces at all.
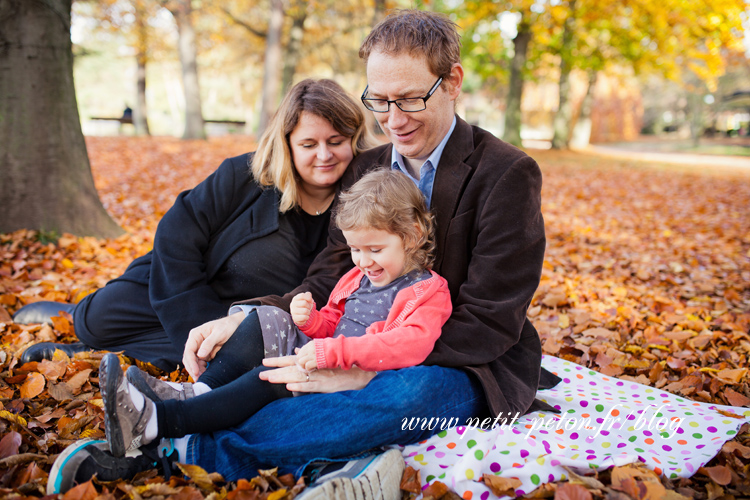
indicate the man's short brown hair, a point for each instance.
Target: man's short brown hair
{"x":418,"y":33}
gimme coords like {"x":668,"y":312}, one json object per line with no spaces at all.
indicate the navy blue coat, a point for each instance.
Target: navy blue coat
{"x":195,"y":238}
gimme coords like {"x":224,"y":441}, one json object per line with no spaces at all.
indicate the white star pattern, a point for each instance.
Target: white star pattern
{"x":268,"y":326}
{"x":275,"y":312}
{"x":380,"y":301}
{"x":274,"y":347}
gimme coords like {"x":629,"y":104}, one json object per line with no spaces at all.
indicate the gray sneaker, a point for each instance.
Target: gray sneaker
{"x":124,"y":424}
{"x":155,"y":389}
{"x":371,"y":478}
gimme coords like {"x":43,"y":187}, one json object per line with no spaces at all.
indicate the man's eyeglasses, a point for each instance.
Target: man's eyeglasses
{"x":407,"y":105}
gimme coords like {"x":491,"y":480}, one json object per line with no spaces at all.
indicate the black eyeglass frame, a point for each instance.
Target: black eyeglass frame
{"x":396,"y":101}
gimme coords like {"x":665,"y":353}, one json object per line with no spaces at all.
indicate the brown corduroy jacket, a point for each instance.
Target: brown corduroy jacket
{"x":490,"y":247}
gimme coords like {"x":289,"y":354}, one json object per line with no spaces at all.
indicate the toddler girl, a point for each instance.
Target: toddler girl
{"x":386,"y":313}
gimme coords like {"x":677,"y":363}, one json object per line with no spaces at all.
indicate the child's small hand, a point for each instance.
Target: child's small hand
{"x":306,"y":357}
{"x":301,"y":307}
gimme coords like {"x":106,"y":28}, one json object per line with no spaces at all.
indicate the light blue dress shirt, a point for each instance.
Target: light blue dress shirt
{"x":427,"y":171}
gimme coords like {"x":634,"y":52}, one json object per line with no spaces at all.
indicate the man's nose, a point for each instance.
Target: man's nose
{"x":396,"y":117}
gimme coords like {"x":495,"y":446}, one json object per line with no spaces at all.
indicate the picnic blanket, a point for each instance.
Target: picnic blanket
{"x":603,"y":422}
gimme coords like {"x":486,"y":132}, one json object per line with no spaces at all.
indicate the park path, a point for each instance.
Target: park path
{"x":738,"y":162}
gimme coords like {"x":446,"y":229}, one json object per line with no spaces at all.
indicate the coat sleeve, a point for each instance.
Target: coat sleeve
{"x":178,"y":285}
{"x":503,"y":272}
{"x":408,"y":344}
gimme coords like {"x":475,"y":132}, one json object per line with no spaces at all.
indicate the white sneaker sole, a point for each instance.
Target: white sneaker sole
{"x":379,"y":481}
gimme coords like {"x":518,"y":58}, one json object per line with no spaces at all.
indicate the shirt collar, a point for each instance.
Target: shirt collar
{"x":434,"y":158}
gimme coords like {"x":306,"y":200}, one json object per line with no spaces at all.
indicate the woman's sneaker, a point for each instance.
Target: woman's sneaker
{"x":124,"y":423}
{"x":83,"y":459}
{"x":155,"y":389}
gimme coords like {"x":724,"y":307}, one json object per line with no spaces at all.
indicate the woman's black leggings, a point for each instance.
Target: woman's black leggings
{"x":237,"y":392}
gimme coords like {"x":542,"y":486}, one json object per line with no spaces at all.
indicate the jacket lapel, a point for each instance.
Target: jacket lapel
{"x":450,"y":178}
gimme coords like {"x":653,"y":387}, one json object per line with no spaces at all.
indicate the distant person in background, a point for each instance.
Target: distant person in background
{"x":127,"y":115}
{"x":252,"y":228}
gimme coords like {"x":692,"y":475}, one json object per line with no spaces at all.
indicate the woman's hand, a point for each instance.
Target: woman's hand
{"x":326,"y":380}
{"x":205,"y":341}
{"x":301,"y":308}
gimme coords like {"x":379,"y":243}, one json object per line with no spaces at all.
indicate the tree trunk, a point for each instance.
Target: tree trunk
{"x":46,"y":177}
{"x":294,"y":47}
{"x":512,"y":133}
{"x":181,"y":10}
{"x":271,"y":66}
{"x":140,"y":113}
{"x":561,"y":124}
{"x":582,"y":128}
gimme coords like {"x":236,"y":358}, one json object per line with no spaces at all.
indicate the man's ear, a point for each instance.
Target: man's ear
{"x":454,"y":81}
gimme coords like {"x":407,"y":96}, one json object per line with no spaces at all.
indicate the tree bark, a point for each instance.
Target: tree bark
{"x":46,"y":175}
{"x":294,"y":47}
{"x":140,"y":113}
{"x":271,"y":66}
{"x":181,"y":10}
{"x":512,"y":133}
{"x":582,"y":128}
{"x":561,"y":123}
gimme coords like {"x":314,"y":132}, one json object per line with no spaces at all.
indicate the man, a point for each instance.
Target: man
{"x":486,"y":199}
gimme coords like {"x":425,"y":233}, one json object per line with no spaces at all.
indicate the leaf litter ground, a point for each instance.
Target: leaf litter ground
{"x":646,"y":277}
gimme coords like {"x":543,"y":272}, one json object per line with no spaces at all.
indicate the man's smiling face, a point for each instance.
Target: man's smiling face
{"x":396,"y":76}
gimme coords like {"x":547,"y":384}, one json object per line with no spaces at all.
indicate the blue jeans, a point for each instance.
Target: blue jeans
{"x":293,"y":432}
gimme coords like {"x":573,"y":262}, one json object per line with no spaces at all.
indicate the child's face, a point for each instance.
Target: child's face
{"x":380,"y":255}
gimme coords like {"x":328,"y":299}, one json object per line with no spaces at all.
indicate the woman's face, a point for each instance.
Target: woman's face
{"x":319,"y":152}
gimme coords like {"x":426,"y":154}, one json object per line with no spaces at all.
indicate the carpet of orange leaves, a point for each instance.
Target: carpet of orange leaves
{"x":646,"y":277}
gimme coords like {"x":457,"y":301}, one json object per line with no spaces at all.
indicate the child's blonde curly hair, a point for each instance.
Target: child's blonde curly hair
{"x":388,"y":200}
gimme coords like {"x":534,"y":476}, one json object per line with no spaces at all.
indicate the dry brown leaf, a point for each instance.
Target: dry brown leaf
{"x":436,"y":490}
{"x":502,"y":486}
{"x":33,"y":386}
{"x":60,"y":392}
{"x":76,"y":381}
{"x":735,"y":398}
{"x":720,"y":474}
{"x":736,"y":448}
{"x":52,"y":370}
{"x":198,"y":475}
{"x":410,"y":480}
{"x":9,"y":444}
{"x":85,"y":491}
{"x":732,"y":376}
{"x":714,"y":491}
{"x":569,"y":491}
{"x":598,"y":332}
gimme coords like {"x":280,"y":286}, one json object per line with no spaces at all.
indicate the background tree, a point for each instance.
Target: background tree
{"x":47,"y":182}
{"x":182,"y":11}
{"x":132,"y":19}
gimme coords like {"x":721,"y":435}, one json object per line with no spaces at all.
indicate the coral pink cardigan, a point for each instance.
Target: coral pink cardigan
{"x":405,"y":338}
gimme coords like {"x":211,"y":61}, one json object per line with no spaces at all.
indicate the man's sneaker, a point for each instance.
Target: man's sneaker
{"x":124,"y":424}
{"x":371,"y":478}
{"x":155,"y":389}
{"x":83,"y":459}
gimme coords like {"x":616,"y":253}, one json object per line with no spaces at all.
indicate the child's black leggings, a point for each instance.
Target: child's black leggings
{"x":237,"y":392}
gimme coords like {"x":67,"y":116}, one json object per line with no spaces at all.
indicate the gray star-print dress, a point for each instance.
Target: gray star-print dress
{"x":364,"y":306}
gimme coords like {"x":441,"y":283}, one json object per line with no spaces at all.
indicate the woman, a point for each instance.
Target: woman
{"x":238,"y":234}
